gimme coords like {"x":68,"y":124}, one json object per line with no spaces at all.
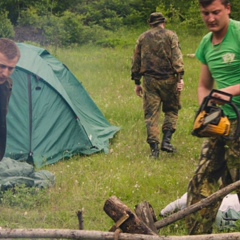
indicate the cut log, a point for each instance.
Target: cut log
{"x":124,"y":218}
{"x":197,"y":206}
{"x":146,"y":213}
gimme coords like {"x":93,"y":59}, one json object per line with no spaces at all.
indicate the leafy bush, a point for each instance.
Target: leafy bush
{"x":171,"y":13}
{"x":93,"y":34}
{"x":54,"y":31}
{"x":111,"y":42}
{"x":64,"y":30}
{"x":29,"y":17}
{"x":134,"y":19}
{"x":71,"y":27}
{"x":193,"y":21}
{"x":6,"y":27}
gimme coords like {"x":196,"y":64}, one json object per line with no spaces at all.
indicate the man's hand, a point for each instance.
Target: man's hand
{"x":180,"y":85}
{"x":223,"y":97}
{"x":139,"y":90}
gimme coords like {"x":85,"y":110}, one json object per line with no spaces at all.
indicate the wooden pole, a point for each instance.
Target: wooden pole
{"x":98,"y":235}
{"x":197,"y":206}
{"x":80,"y":219}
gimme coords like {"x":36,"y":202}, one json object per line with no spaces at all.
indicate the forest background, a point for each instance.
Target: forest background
{"x":95,"y":40}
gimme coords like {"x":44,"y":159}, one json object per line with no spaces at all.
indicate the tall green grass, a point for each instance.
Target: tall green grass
{"x":85,"y":183}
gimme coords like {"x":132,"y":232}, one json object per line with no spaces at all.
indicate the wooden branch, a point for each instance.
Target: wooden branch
{"x":98,"y":235}
{"x":80,"y":219}
{"x":197,"y":206}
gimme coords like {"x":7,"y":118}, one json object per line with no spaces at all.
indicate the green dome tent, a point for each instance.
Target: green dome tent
{"x":51,"y":116}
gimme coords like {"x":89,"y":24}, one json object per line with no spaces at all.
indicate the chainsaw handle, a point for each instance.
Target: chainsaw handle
{"x":211,"y":96}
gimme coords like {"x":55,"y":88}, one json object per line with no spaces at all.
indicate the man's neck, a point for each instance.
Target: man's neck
{"x":219,"y":36}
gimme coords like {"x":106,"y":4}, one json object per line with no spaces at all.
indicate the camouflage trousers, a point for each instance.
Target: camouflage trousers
{"x":219,"y":166}
{"x":160,"y":95}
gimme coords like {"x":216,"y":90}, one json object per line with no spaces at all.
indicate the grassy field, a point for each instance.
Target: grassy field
{"x":85,"y":183}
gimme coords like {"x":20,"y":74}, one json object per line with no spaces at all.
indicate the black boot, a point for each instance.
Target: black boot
{"x":166,"y":142}
{"x":154,"y":150}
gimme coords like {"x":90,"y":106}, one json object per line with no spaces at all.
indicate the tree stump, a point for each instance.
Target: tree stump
{"x":146,"y":213}
{"x":124,"y":218}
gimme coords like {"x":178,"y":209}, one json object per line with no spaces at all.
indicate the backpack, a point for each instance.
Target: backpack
{"x":227,"y":220}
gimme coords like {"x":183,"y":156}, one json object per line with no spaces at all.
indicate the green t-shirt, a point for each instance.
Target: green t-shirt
{"x":223,"y":61}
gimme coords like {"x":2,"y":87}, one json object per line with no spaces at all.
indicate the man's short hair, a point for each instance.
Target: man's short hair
{"x":205,"y":3}
{"x":9,"y":48}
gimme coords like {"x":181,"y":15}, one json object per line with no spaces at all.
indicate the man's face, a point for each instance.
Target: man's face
{"x":6,"y":67}
{"x":216,"y":16}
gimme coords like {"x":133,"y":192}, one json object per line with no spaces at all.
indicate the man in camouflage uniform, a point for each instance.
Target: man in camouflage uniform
{"x":9,"y":56}
{"x":219,"y":163}
{"x":158,"y":59}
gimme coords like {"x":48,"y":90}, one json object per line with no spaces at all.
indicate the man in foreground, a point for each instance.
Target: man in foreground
{"x":9,"y":56}
{"x":158,"y":59}
{"x":219,"y":165}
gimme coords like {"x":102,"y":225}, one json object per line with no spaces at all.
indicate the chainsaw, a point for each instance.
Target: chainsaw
{"x":210,"y":120}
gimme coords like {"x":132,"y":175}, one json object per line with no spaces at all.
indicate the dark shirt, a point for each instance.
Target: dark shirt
{"x":5,"y":93}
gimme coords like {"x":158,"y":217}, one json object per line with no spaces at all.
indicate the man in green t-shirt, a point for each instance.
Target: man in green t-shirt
{"x":219,"y":53}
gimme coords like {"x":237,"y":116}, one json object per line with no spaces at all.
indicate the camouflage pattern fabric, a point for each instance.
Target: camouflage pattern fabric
{"x":158,"y":59}
{"x":5,"y":92}
{"x":160,"y":94}
{"x":157,"y":54}
{"x":219,"y":166}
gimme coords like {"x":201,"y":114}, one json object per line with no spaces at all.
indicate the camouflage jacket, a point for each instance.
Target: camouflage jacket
{"x":157,"y":54}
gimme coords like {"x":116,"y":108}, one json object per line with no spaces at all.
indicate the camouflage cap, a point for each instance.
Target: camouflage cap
{"x":156,"y":17}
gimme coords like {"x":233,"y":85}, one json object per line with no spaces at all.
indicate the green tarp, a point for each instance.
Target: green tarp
{"x":14,"y":173}
{"x":51,"y":116}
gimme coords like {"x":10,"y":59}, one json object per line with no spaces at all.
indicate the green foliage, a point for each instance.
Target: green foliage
{"x":54,"y":31}
{"x":96,"y":21}
{"x":29,"y":17}
{"x":111,"y":14}
{"x":111,"y":21}
{"x":235,"y":9}
{"x":6,"y":27}
{"x":63,"y":30}
{"x":237,"y":226}
{"x":111,"y":42}
{"x":171,"y":13}
{"x":193,"y":21}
